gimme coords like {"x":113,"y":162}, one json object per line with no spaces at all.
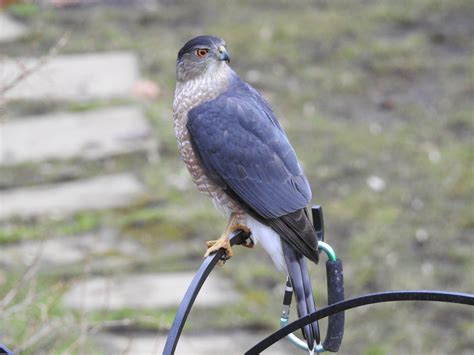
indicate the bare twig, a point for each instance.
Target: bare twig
{"x":25,"y":71}
{"x":94,"y":329}
{"x":27,"y":276}
{"x":128,"y":347}
{"x":84,"y":321}
{"x":29,"y":299}
{"x":45,"y":330}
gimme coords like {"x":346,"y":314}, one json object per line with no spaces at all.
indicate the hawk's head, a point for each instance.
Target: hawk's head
{"x":201,"y":55}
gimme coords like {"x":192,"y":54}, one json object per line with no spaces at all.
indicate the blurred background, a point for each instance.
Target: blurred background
{"x":101,"y":228}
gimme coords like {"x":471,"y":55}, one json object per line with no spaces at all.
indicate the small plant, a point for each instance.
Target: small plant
{"x":23,"y":9}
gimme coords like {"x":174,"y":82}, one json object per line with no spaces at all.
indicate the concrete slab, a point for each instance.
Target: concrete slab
{"x":72,"y":77}
{"x":157,"y":290}
{"x":11,"y":29}
{"x":68,"y":250}
{"x":232,"y":342}
{"x":66,"y":198}
{"x":89,"y":135}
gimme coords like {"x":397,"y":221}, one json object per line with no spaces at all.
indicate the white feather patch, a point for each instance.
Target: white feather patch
{"x":270,"y":241}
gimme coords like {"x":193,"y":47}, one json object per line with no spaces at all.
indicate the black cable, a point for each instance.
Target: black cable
{"x":390,"y":296}
{"x":237,"y":237}
{"x":4,"y":350}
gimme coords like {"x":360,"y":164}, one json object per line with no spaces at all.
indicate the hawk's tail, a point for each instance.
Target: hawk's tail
{"x":299,"y":276}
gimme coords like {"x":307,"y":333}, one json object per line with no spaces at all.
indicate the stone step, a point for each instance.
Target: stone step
{"x":231,"y":342}
{"x":90,"y":135}
{"x":11,"y":29}
{"x":62,"y":199}
{"x":158,"y":290}
{"x":72,"y":77}
{"x":60,"y":252}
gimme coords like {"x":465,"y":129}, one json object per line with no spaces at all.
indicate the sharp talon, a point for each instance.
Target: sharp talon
{"x":224,"y":242}
{"x":214,"y":245}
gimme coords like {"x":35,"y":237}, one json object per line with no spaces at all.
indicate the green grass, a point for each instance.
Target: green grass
{"x":376,"y":88}
{"x":79,"y":223}
{"x":24,"y":10}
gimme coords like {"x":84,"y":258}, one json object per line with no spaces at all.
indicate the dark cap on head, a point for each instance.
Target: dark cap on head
{"x":200,"y":41}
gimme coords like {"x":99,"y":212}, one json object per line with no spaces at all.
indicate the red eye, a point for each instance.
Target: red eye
{"x":202,"y":52}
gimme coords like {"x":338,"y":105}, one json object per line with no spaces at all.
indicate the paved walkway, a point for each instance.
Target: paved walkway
{"x":87,"y":135}
{"x":228,"y":343}
{"x":73,"y":77}
{"x":66,"y":198}
{"x":161,"y":289}
{"x":11,"y":30}
{"x":61,"y":252}
{"x":91,"y":135}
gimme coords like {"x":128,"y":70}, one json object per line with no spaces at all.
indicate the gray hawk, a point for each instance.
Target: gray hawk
{"x":238,"y":154}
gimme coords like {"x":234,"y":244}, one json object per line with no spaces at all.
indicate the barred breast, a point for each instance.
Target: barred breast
{"x":187,"y":96}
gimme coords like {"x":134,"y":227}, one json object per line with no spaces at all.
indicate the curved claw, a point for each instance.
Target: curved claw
{"x":214,"y":245}
{"x":224,"y":241}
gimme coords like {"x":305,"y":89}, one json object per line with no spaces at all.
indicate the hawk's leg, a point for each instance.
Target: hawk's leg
{"x":224,"y":241}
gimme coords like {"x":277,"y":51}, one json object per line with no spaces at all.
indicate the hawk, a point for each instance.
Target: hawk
{"x":239,"y":155}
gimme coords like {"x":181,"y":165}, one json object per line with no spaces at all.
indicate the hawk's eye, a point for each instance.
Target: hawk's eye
{"x":202,"y":52}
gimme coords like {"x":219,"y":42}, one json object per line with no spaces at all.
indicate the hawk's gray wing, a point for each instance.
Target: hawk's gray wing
{"x":244,"y":149}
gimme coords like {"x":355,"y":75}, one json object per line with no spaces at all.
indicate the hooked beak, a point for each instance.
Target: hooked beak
{"x":223,"y":54}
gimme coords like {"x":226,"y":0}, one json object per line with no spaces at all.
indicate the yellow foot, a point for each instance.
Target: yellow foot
{"x":215,"y":245}
{"x":224,"y":242}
